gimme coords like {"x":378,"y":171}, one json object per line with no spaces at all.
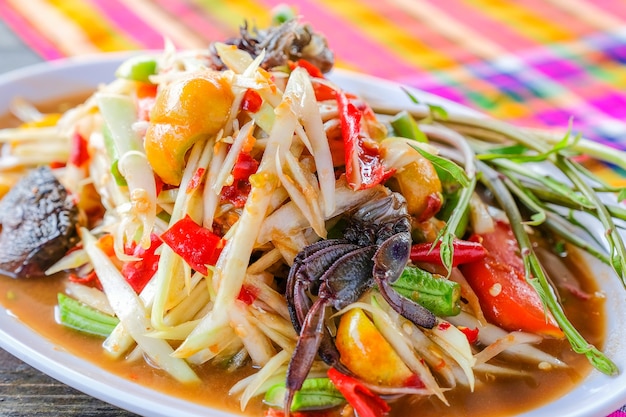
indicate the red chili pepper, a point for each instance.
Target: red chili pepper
{"x":248,"y":294}
{"x":313,"y":70}
{"x":138,"y":273}
{"x":237,"y":193}
{"x":89,"y":280}
{"x":57,"y":164}
{"x":251,"y":101}
{"x":364,"y":401}
{"x":464,"y":252}
{"x":197,"y":245}
{"x":434,"y":202}
{"x":470,"y":334}
{"x":245,"y":166}
{"x":194,"y":182}
{"x":105,"y":244}
{"x":444,"y":325}
{"x":323,"y":92}
{"x":79,"y":154}
{"x":364,"y":168}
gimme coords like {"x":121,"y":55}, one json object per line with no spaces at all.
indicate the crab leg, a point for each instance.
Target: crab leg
{"x":389,"y":262}
{"x":306,"y":350}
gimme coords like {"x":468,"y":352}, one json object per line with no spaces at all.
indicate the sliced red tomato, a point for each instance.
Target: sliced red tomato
{"x":505,"y":296}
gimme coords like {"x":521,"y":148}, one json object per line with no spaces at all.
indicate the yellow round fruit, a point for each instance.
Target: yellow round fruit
{"x":189,"y":109}
{"x":366,"y":353}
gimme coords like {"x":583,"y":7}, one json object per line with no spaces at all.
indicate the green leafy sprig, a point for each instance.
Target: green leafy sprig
{"x":536,"y":276}
{"x":447,"y":233}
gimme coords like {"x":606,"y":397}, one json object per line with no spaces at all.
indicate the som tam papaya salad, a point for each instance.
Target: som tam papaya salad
{"x":233,"y":205}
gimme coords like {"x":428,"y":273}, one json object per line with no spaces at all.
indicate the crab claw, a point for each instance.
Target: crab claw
{"x":309,"y":266}
{"x":389,"y":262}
{"x":341,"y":285}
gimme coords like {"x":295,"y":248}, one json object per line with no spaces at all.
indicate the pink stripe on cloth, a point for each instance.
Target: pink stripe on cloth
{"x":558,"y":16}
{"x":422,"y":32}
{"x":363,"y":53}
{"x":616,"y":8}
{"x":619,"y":413}
{"x":129,"y":23}
{"x":473,"y":17}
{"x":25,"y":31}
{"x":195,"y":19}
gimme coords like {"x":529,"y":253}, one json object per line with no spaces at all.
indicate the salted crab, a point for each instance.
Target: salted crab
{"x":374,"y":251}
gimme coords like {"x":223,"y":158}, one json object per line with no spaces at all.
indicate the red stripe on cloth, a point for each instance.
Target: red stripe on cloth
{"x":28,"y":34}
{"x":129,"y":23}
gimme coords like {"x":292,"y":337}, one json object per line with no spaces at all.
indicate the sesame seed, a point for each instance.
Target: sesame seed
{"x":495,"y":289}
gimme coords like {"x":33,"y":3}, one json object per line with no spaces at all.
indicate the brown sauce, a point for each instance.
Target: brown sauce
{"x":32,"y":301}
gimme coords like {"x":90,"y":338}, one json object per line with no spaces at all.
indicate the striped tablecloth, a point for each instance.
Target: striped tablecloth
{"x":532,"y":62}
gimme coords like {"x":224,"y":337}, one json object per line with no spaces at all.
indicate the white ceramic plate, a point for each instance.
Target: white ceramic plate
{"x":597,"y":396}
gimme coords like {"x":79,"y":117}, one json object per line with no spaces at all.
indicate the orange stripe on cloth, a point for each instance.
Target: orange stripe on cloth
{"x":64,"y":33}
{"x":386,"y":33}
{"x":449,"y":27}
{"x":605,"y":173}
{"x":100,"y":32}
{"x":527,"y":21}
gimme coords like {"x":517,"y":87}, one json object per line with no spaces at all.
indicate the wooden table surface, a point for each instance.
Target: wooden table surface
{"x":24,"y":391}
